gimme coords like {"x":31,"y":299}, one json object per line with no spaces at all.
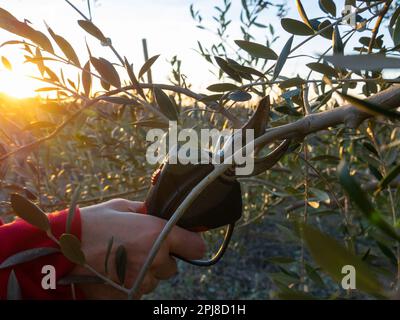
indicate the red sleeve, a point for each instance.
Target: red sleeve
{"x":20,"y":236}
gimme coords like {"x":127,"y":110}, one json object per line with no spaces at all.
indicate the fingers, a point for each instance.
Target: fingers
{"x":124,"y":205}
{"x":167,"y":270}
{"x":186,"y":244}
{"x":149,"y":284}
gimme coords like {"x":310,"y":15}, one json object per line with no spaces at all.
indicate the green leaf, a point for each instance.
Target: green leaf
{"x":239,"y":96}
{"x":296,"y":27}
{"x":332,"y":257}
{"x":246,"y":70}
{"x":396,"y":33}
{"x":71,"y":249}
{"x":321,"y":195}
{"x":225,"y":67}
{"x":146,"y":67}
{"x":361,"y":200}
{"x":370,"y":107}
{"x":133,"y":79}
{"x":222,"y":87}
{"x":293,"y":82}
{"x":6,"y":63}
{"x":72,"y":208}
{"x":323,"y":68}
{"x":282,"y":58}
{"x":257,"y":50}
{"x":13,"y":287}
{"x":211,"y":98}
{"x":364,"y":62}
{"x":393,"y":173}
{"x":65,"y":47}
{"x":337,"y":43}
{"x":90,"y":28}
{"x":119,"y":100}
{"x":26,"y":256}
{"x":121,"y":261}
{"x":314,"y":276}
{"x":328,"y":32}
{"x":166,"y":106}
{"x":151,"y":123}
{"x":11,"y":24}
{"x":87,"y":79}
{"x":328,"y":6}
{"x":303,"y":13}
{"x":387,"y":252}
{"x":29,"y":212}
{"x":108,"y":253}
{"x":106,"y":71}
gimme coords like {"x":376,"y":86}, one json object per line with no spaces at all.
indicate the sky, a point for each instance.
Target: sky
{"x":166,"y":24}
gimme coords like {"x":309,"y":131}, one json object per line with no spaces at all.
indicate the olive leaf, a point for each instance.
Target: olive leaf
{"x":87,"y":79}
{"x":29,"y":212}
{"x":328,"y":6}
{"x":326,"y":29}
{"x":71,"y":248}
{"x":246,"y":70}
{"x":396,"y":33}
{"x":387,"y":252}
{"x":222,"y":87}
{"x":90,"y":28}
{"x":332,"y":256}
{"x":337,"y":43}
{"x":303,"y":13}
{"x":106,"y":71}
{"x":239,"y":95}
{"x":225,"y":67}
{"x":108,"y":253}
{"x":296,"y":27}
{"x":293,"y":82}
{"x":72,"y":208}
{"x":26,"y":256}
{"x":392,"y":174}
{"x":147,"y":65}
{"x":121,"y":261}
{"x":370,"y":107}
{"x":282,"y":58}
{"x":13,"y":287}
{"x":323,"y":68}
{"x":314,"y":276}
{"x":361,"y":200}
{"x":6,"y":63}
{"x":166,"y":106}
{"x":118,"y":100}
{"x":11,"y":24}
{"x":134,"y":80}
{"x":257,"y":50}
{"x":65,"y":47}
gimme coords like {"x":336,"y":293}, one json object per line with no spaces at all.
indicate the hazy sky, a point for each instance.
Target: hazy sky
{"x":166,"y":24}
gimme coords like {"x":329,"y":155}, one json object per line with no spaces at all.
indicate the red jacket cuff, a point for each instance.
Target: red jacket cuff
{"x":20,"y":236}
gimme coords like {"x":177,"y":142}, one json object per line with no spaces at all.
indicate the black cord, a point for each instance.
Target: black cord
{"x":218,"y":255}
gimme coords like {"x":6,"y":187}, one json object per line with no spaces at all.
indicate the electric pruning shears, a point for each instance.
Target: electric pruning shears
{"x":220,"y":203}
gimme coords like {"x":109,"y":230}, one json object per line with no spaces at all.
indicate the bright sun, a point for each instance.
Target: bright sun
{"x":16,"y":83}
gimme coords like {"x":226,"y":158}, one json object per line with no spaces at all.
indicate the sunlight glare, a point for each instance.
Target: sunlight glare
{"x":16,"y":83}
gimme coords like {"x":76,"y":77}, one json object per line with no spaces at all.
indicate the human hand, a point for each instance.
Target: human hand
{"x":122,"y":220}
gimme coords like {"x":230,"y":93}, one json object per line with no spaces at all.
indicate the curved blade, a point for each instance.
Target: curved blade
{"x":263,"y":164}
{"x":259,"y":120}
